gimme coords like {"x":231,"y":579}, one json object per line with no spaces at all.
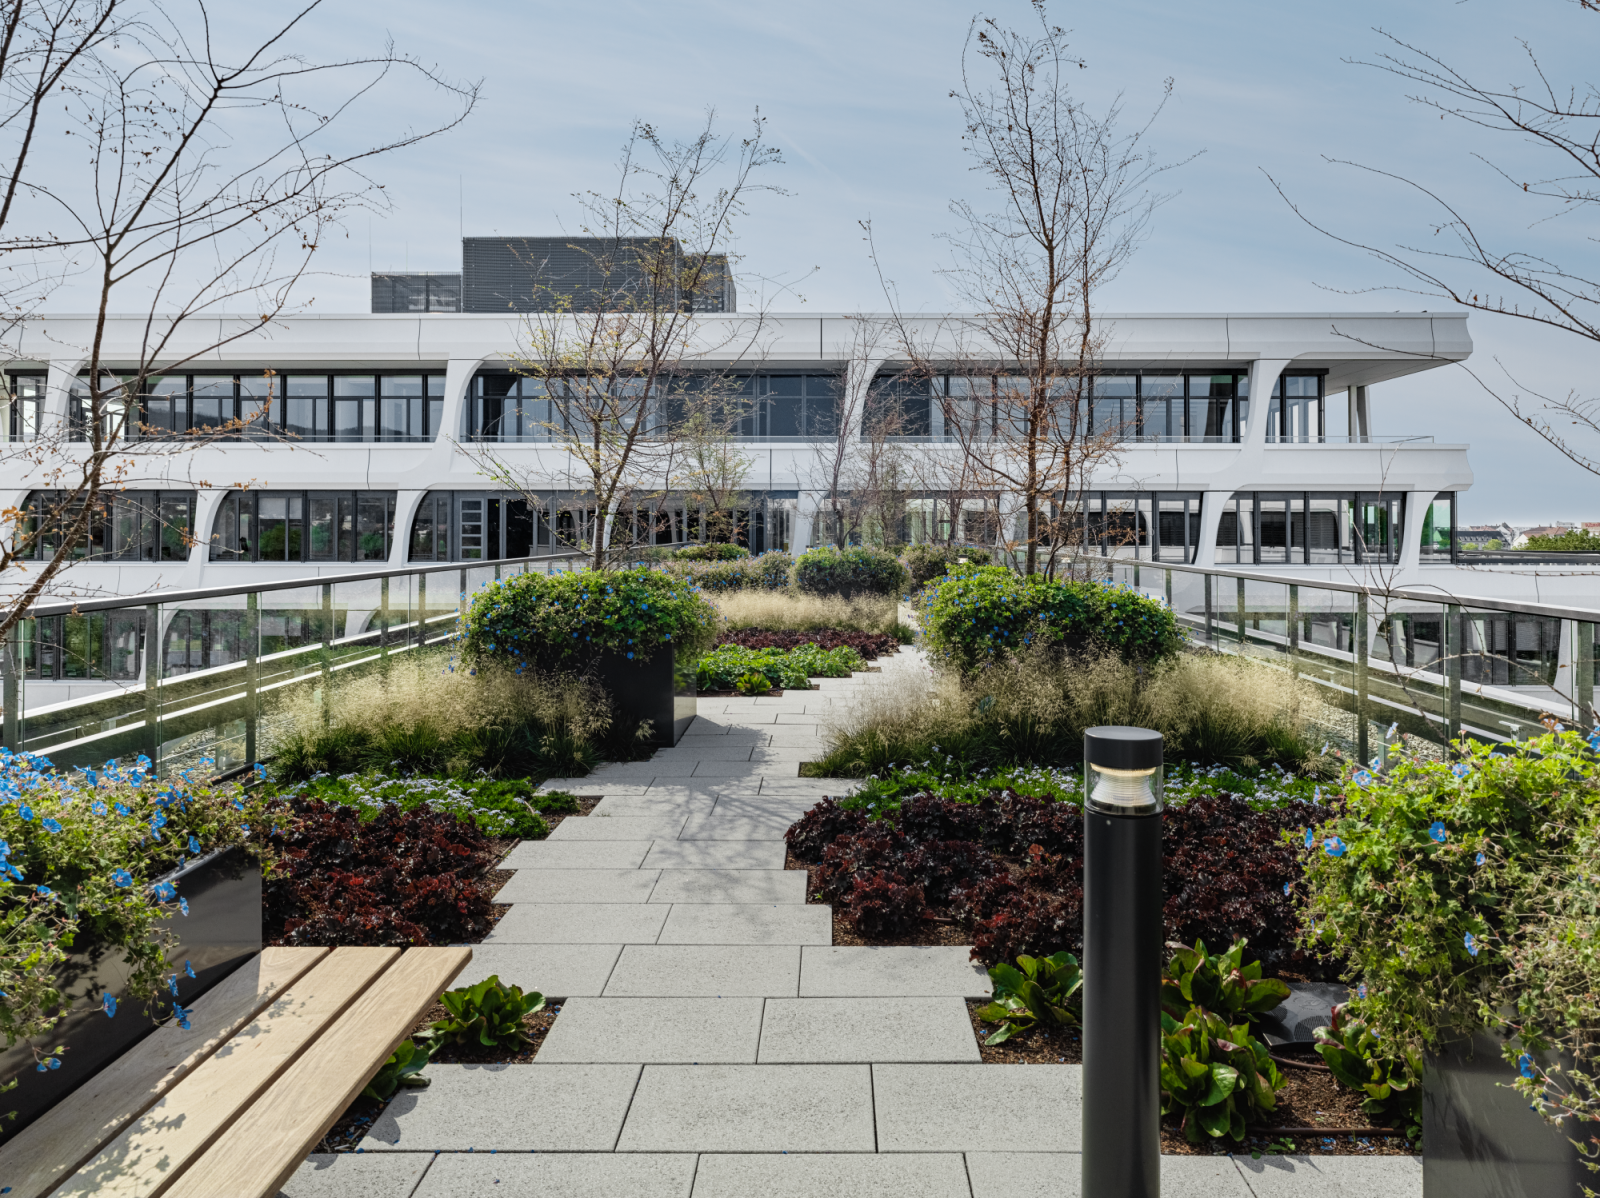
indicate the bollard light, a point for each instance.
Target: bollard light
{"x":1122,"y":904}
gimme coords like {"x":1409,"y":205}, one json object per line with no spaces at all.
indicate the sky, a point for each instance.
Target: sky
{"x":856,"y":95}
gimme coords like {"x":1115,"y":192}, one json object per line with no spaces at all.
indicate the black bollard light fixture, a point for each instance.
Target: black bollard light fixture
{"x":1122,"y":904}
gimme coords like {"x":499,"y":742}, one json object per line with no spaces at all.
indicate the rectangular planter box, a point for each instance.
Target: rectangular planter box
{"x":1480,"y":1139}
{"x":220,"y":933}
{"x":661,"y":690}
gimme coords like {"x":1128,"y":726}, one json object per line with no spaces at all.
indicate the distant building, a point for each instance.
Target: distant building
{"x":1542,"y":530}
{"x":1485,"y":536}
{"x":550,"y":274}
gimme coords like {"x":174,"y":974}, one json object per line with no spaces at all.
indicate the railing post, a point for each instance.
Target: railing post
{"x":1582,"y":673}
{"x":1293,"y":615}
{"x":419,"y":618}
{"x":1168,"y":573}
{"x":252,"y":640}
{"x":1454,"y":641}
{"x":1240,"y":615}
{"x":383,"y":621}
{"x":327,"y":654}
{"x":1210,"y":632}
{"x":10,"y":669}
{"x":1360,"y":646}
{"x":152,"y":684}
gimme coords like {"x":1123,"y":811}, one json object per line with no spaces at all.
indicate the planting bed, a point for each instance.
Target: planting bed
{"x":870,"y":645}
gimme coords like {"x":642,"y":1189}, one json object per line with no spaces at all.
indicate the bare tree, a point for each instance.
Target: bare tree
{"x":1471,"y":263}
{"x":712,"y":469}
{"x":1074,"y":200}
{"x":612,"y":360}
{"x":836,"y":468}
{"x":207,"y":178}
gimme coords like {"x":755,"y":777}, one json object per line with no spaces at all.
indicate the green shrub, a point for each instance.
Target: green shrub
{"x":555,"y":802}
{"x":1219,"y":1078}
{"x":858,"y":570}
{"x":753,"y":684}
{"x":792,"y":611}
{"x":563,"y":621}
{"x":1036,"y":991}
{"x":768,"y":572}
{"x":1392,"y":1082}
{"x":1574,"y":540}
{"x":1220,"y":983}
{"x":713,"y":551}
{"x":1463,"y":897}
{"x":403,"y":1068}
{"x":725,"y":666}
{"x":496,"y":808}
{"x":489,"y":1013}
{"x":926,"y":562}
{"x":978,"y":615}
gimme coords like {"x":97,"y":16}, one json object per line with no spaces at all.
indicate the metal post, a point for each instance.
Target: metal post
{"x":1122,"y":936}
{"x":1359,"y":646}
{"x":12,"y":697}
{"x":327,"y":654}
{"x":1168,"y":573}
{"x":1210,"y":633}
{"x":252,"y":640}
{"x":1454,"y":641}
{"x":1241,"y":612}
{"x":1582,"y":673}
{"x":152,"y":683}
{"x":383,"y":621}
{"x":1294,"y":630}
{"x":420,"y":615}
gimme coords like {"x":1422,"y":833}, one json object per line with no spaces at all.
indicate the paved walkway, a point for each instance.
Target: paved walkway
{"x":713,"y":1042}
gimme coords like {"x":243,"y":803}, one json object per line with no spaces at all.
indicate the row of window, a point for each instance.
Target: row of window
{"x":1255,"y":528}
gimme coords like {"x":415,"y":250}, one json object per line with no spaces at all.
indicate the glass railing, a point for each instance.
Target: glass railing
{"x":199,"y":674}
{"x":1430,"y":665}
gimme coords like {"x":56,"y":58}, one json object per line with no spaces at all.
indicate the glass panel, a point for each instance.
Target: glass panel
{"x":1162,"y":405}
{"x":256,"y":409}
{"x":785,"y":405}
{"x":306,"y":406}
{"x":1235,"y":531}
{"x":1437,"y":521}
{"x":176,"y":515}
{"x":372,"y":528}
{"x":822,"y":405}
{"x":353,"y":408}
{"x":322,"y":511}
{"x":345,"y":528}
{"x":400,"y":393}
{"x":422,"y":532}
{"x":1211,"y":407}
{"x":1114,"y":405}
{"x":166,"y":405}
{"x":213,"y":401}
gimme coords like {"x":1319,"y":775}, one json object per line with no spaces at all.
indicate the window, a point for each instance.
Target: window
{"x":1161,"y":406}
{"x":303,"y":526}
{"x":1438,"y":521}
{"x":94,"y":645}
{"x":1114,"y":409}
{"x":354,"y":401}
{"x":1265,"y":528}
{"x":1295,"y":414}
{"x":21,"y":407}
{"x":127,"y":526}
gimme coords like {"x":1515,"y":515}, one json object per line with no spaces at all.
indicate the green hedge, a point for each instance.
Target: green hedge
{"x":794,"y":668}
{"x":713,"y":551}
{"x":927,"y":562}
{"x":858,"y":570}
{"x":980,"y":614}
{"x":555,"y":621}
{"x":769,"y":572}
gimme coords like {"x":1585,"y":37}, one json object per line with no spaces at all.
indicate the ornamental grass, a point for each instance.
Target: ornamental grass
{"x":786,"y":611}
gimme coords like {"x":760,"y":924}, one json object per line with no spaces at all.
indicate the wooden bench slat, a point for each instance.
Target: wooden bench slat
{"x":145,"y":1157}
{"x":258,"y":1154}
{"x":34,"y":1160}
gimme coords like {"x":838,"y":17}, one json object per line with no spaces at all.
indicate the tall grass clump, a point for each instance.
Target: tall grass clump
{"x":424,"y":716}
{"x":789,"y":611}
{"x":1033,"y":707}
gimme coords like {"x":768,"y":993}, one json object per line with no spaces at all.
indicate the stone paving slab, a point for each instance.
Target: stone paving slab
{"x":730,"y":886}
{"x":706,"y":971}
{"x":577,"y":854}
{"x":578,"y":923}
{"x":728,"y":769}
{"x":715,"y":826}
{"x":601,"y":827}
{"x":974,"y":1108}
{"x":833,"y":1175}
{"x":716,"y":854}
{"x":674,"y":1031}
{"x":1060,"y":1175}
{"x":750,"y":1108}
{"x":560,"y":1175}
{"x":555,"y":970}
{"x":728,"y":750}
{"x":843,"y":1030}
{"x":1333,"y":1176}
{"x":651,"y":804}
{"x":851,"y":971}
{"x":747,"y":923}
{"x":579,"y":886}
{"x":347,"y":1175}
{"x":508,"y":1108}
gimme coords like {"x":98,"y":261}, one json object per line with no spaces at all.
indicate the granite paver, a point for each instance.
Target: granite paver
{"x":347,"y":1175}
{"x":555,"y":970}
{"x":750,"y":1108}
{"x":746,"y":923}
{"x":730,"y":886}
{"x":1060,"y":1175}
{"x":842,"y":1030}
{"x":961,"y":1108}
{"x":685,"y":1031}
{"x":654,"y":803}
{"x":706,"y":971}
{"x":871,"y":970}
{"x":1333,"y":1176}
{"x":508,"y":1108}
{"x":716,"y":854}
{"x":629,"y":828}
{"x":579,"y":886}
{"x":833,"y":1175}
{"x":560,"y":1175}
{"x":579,"y":923}
{"x":577,"y":854}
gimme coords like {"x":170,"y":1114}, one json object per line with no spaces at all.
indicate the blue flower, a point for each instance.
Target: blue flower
{"x":1471,"y":942}
{"x":1480,"y":858}
{"x":183,"y":905}
{"x":98,"y":807}
{"x":1286,"y":888}
{"x":51,"y":825}
{"x":109,"y":1005}
{"x":1310,"y":838}
{"x":194,"y":845}
{"x":45,"y":1066}
{"x":1361,"y":990}
{"x":1437,"y":833}
{"x":172,"y":985}
{"x":1460,"y":769}
{"x":1333,"y":846}
{"x":1525,"y":1066}
{"x":25,"y":811}
{"x":165,"y":891}
{"x":187,"y":968}
{"x":122,"y":878}
{"x":43,"y":891}
{"x":1362,"y":779}
{"x":122,"y":809}
{"x":181,"y":1014}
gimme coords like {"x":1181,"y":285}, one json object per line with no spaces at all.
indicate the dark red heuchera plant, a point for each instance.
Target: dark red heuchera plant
{"x":403,"y":878}
{"x":820,"y":827}
{"x":880,"y":904}
{"x":871,"y":645}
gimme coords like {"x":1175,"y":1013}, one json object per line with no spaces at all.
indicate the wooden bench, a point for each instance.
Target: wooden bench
{"x":229,"y":1109}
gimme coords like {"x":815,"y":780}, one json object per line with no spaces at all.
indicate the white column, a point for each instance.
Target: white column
{"x":1205,"y":553}
{"x":1264,"y":374}
{"x":206,"y":503}
{"x":805,"y":515}
{"x":406,"y":504}
{"x":62,"y":374}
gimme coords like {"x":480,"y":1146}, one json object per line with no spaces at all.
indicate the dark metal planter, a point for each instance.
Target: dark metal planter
{"x":220,"y":933}
{"x":1480,"y":1139}
{"x":661,"y":690}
